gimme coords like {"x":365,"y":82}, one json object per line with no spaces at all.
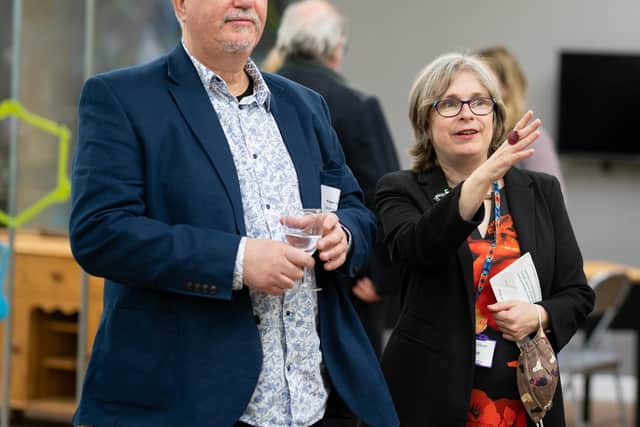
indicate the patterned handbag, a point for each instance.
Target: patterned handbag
{"x":537,"y":374}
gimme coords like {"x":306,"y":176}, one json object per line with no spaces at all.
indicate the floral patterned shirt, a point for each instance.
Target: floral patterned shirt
{"x":290,"y":389}
{"x":495,"y":400}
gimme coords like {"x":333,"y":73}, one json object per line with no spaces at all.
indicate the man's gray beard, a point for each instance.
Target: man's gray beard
{"x":237,"y":47}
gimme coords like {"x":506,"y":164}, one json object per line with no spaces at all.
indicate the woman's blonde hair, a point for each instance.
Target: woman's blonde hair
{"x":511,"y":76}
{"x":432,"y":82}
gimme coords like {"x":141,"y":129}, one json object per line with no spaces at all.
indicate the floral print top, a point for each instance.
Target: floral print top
{"x":291,"y":390}
{"x":495,"y":400}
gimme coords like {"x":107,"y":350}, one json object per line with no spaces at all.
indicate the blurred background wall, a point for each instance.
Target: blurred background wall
{"x":390,"y":42}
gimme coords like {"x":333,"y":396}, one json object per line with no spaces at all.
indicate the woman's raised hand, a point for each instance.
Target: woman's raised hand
{"x":514,"y":149}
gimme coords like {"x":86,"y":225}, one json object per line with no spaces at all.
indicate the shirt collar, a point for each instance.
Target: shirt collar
{"x":211,"y":80}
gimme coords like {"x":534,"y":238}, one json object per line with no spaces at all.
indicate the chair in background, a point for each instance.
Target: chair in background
{"x":611,"y":289}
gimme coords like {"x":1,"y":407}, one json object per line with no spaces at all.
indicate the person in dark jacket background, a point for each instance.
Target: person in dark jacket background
{"x":311,"y":42}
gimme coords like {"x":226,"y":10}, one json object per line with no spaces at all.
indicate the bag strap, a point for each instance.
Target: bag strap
{"x":540,"y":330}
{"x":526,"y":339}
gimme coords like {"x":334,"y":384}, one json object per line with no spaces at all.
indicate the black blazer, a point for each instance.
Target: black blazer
{"x":429,"y":361}
{"x":365,"y":138}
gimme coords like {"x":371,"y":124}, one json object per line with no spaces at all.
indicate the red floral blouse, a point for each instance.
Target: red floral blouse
{"x":495,"y":401}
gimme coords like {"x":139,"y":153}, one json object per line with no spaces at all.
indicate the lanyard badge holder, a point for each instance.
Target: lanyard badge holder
{"x":485,"y":347}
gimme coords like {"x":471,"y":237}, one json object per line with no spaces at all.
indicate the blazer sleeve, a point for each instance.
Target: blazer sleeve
{"x":571,"y":298}
{"x":417,"y":232}
{"x":352,"y":212}
{"x":370,"y":152}
{"x":110,"y":232}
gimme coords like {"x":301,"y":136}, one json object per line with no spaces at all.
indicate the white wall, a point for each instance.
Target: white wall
{"x":391,"y":41}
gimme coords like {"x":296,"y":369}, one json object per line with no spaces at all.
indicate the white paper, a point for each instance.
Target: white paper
{"x":518,"y":282}
{"x":330,"y":198}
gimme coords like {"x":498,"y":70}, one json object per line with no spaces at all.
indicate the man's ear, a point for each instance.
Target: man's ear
{"x":179,"y":9}
{"x":335,"y":60}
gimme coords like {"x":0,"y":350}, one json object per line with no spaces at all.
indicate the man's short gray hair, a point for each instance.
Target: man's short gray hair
{"x":311,"y":28}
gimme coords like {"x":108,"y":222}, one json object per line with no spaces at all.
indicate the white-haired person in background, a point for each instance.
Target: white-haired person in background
{"x":311,"y":43}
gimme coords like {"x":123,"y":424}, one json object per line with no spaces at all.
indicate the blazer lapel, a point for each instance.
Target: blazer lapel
{"x":521,"y":202}
{"x":196,"y":109}
{"x":296,"y":141}
{"x":434,"y":184}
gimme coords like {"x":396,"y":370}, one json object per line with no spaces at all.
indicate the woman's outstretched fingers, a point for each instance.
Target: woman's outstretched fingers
{"x":524,"y":120}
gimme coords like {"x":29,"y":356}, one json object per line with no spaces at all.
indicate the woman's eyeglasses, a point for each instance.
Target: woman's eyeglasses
{"x":451,"y":107}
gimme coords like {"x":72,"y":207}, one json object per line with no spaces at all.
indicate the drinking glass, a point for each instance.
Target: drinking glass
{"x":302,"y":230}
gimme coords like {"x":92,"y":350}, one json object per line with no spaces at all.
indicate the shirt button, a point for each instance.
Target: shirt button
{"x":255,"y":156}
{"x":288,"y":313}
{"x":268,"y":206}
{"x":288,"y":368}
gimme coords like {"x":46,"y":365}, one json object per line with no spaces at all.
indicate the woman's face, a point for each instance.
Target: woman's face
{"x":465,"y":136}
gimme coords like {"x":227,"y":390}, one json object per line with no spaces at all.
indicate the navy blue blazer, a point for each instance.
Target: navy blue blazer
{"x":157,"y":211}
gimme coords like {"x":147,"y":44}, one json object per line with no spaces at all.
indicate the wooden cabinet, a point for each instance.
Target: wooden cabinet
{"x":46,"y":300}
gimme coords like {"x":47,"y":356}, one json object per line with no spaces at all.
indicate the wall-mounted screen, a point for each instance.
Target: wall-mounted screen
{"x":599,"y":105}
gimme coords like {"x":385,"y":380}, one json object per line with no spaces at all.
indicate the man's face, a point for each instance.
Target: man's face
{"x":214,"y":26}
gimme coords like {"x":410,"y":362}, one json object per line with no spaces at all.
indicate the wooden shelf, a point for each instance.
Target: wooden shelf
{"x":45,"y":308}
{"x":66,"y":363}
{"x":62,"y":327}
{"x":55,"y":408}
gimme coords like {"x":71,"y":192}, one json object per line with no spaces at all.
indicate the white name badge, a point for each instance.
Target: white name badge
{"x":330,"y":198}
{"x":484,"y":352}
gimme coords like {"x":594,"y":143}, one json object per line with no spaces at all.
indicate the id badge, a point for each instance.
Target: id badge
{"x":484,"y":351}
{"x":330,"y":198}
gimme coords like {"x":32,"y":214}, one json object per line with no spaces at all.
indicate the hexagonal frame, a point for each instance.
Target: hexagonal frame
{"x":62,"y":190}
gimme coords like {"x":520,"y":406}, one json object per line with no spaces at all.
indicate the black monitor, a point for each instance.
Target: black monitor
{"x":599,"y":105}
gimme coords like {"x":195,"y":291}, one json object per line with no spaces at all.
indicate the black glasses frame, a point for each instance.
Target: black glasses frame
{"x":436,"y":104}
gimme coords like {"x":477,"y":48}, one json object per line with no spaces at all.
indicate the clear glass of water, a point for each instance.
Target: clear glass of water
{"x":302,"y":230}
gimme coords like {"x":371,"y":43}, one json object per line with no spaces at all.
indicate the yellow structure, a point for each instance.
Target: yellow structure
{"x":63,"y":187}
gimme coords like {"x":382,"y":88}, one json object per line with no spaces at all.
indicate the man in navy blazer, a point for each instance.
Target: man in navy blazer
{"x":182,"y":170}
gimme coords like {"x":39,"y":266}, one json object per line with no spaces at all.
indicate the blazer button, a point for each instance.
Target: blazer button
{"x":213,"y":290}
{"x":196,"y":287}
{"x":190,"y":286}
{"x":205,"y":288}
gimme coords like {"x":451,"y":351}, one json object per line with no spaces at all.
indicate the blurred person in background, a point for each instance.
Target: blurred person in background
{"x":461,"y":215}
{"x":513,"y":88}
{"x":309,"y":50}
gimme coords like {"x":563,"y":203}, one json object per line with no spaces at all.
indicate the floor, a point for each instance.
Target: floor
{"x":600,"y":410}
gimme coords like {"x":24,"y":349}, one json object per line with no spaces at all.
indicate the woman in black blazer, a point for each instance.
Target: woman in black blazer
{"x":439,"y":222}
